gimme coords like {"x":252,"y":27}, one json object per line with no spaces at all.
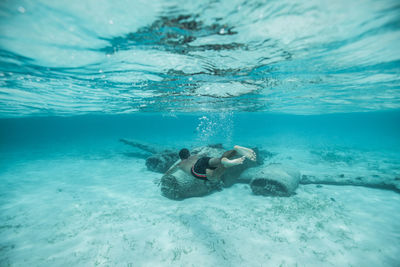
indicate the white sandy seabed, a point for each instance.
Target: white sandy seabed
{"x":77,"y":210}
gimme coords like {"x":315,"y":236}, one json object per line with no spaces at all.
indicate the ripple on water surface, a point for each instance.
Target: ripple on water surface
{"x":68,"y":58}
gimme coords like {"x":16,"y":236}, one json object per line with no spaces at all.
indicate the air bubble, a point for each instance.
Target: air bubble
{"x":215,"y":128}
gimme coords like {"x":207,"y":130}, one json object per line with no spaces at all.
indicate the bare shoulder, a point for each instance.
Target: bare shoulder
{"x":189,"y":161}
{"x":187,"y":164}
{"x":184,"y":165}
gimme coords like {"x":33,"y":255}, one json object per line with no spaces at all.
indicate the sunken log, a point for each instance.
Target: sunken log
{"x":272,"y":180}
{"x":160,"y":159}
{"x":180,"y":185}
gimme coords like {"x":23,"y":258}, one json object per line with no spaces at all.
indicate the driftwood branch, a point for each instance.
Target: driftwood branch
{"x":145,"y":147}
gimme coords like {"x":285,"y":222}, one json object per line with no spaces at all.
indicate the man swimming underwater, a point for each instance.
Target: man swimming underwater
{"x":207,"y":168}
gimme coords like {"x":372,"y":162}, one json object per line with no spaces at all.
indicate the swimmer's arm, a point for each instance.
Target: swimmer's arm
{"x":210,"y":173}
{"x":173,"y":169}
{"x":213,"y":174}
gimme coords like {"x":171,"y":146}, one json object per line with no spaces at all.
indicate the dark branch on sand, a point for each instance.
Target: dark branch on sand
{"x":381,"y":186}
{"x":141,"y":146}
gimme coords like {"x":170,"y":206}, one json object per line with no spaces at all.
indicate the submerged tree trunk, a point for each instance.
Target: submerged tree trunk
{"x":264,"y":180}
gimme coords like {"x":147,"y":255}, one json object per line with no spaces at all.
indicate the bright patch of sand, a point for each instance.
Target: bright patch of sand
{"x":85,"y":211}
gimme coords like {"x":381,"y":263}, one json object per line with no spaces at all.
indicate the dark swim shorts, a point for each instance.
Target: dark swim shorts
{"x":199,"y":168}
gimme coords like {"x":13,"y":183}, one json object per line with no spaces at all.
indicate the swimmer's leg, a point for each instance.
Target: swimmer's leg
{"x":246,"y":152}
{"x":225,"y":161}
{"x":216,"y":162}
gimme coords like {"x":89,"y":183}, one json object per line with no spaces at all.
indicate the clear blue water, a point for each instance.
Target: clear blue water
{"x":315,"y":83}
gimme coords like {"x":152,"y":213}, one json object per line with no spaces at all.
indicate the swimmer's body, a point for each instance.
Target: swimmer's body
{"x":208,"y":168}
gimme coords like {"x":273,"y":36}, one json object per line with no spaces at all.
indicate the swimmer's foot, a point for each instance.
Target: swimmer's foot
{"x":232,"y":162}
{"x":246,"y":152}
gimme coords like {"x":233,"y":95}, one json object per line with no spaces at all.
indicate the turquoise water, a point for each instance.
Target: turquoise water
{"x":69,"y":58}
{"x":314,"y":85}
